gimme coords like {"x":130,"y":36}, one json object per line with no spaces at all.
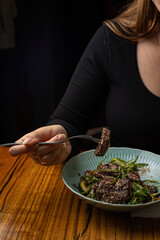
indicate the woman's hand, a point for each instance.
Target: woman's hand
{"x":48,"y":154}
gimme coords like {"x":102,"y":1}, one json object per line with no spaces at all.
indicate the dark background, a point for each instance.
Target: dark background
{"x":50,"y":39}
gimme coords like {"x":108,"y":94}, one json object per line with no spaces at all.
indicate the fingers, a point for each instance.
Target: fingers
{"x":39,"y":135}
{"x":45,"y":149}
{"x":29,"y":144}
{"x":21,"y":149}
{"x":44,"y":154}
{"x":54,"y":156}
{"x":48,"y":133}
{"x":42,"y":134}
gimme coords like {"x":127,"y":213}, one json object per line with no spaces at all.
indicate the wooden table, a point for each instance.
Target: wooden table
{"x":35,"y":204}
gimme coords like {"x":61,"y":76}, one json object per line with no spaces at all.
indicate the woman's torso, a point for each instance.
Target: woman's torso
{"x":109,"y":74}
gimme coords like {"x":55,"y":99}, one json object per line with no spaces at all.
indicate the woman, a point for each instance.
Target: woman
{"x":121,"y":68}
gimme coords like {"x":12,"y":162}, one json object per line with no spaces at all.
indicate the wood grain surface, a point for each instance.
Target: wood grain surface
{"x":35,"y":204}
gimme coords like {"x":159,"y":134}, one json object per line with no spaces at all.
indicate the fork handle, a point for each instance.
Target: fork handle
{"x":90,"y":138}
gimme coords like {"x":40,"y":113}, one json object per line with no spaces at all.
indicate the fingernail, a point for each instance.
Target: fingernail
{"x":28,"y":140}
{"x":64,"y":145}
{"x":60,"y":137}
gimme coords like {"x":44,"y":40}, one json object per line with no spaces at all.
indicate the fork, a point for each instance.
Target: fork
{"x":89,"y":138}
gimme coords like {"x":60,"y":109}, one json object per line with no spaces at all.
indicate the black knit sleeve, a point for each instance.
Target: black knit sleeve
{"x":87,"y":89}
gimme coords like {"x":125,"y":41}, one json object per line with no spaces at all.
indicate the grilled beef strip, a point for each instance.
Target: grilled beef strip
{"x":104,"y":143}
{"x":119,"y":192}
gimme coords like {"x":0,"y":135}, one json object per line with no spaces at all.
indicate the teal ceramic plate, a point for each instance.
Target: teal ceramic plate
{"x":88,"y":161}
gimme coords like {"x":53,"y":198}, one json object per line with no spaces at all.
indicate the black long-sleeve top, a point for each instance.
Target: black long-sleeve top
{"x":108,"y":73}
